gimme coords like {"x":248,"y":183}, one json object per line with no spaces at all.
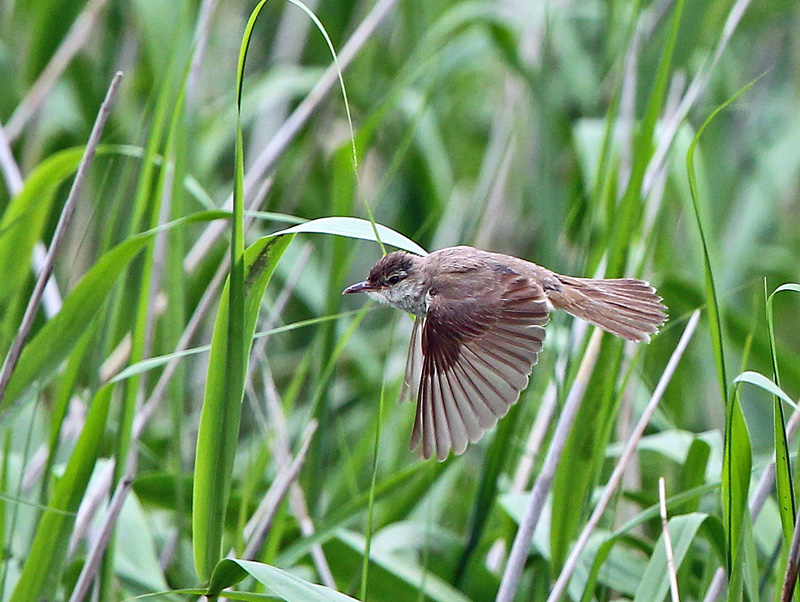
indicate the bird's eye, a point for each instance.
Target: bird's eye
{"x":394,"y":279}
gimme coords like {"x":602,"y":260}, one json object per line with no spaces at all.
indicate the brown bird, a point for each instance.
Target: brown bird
{"x":479,"y":328}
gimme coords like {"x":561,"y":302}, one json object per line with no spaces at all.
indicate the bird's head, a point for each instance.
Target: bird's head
{"x":397,"y":279}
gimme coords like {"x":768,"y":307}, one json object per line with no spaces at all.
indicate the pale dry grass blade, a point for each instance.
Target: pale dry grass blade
{"x":297,"y":500}
{"x":533,"y":510}
{"x":58,"y":236}
{"x":627,"y":108}
{"x":200,"y":41}
{"x":492,"y":216}
{"x":98,"y":547}
{"x":257,"y":528}
{"x":792,"y":566}
{"x":624,"y":460}
{"x":696,"y":88}
{"x":671,"y":571}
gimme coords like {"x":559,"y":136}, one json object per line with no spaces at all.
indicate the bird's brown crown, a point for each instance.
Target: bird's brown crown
{"x":391,"y":269}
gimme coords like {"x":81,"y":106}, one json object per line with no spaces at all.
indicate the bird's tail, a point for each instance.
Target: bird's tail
{"x":626,"y":307}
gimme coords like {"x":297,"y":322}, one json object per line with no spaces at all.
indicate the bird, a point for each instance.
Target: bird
{"x":479,"y":327}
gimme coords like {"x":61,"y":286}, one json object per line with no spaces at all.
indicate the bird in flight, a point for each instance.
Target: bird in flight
{"x":479,"y":327}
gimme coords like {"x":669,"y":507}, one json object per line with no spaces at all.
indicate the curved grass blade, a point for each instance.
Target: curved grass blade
{"x":737,"y":456}
{"x":761,"y":381}
{"x":783,"y":470}
{"x":221,"y":412}
{"x":207,"y":517}
{"x":354,"y":227}
{"x":279,"y":583}
{"x":339,"y":226}
{"x":328,"y":41}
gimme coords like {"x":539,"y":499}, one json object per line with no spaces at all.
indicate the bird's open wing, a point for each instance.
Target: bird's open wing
{"x":477,"y":354}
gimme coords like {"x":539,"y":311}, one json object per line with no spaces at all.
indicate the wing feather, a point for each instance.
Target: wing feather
{"x":474,"y":359}
{"x":461,"y":402}
{"x":455,"y":423}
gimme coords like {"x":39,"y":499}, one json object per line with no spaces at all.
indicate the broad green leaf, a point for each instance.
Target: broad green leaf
{"x":655,"y":582}
{"x":220,"y":417}
{"x":391,"y":575}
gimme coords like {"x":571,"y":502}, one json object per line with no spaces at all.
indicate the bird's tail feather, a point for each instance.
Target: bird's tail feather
{"x":626,"y":307}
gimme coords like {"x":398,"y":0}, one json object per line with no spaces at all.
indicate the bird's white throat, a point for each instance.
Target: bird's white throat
{"x":408,"y":295}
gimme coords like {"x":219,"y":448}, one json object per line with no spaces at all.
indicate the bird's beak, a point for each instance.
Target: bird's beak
{"x":359,"y":287}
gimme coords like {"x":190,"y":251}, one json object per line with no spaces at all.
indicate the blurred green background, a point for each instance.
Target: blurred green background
{"x":518,"y":127}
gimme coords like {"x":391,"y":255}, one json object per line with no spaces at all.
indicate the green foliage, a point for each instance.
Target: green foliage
{"x":202,"y":323}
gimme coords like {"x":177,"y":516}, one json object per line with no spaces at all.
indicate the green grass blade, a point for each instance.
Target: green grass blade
{"x":712,"y":302}
{"x":737,"y":454}
{"x":737,"y":464}
{"x":372,"y":486}
{"x":584,"y":452}
{"x":761,"y":381}
{"x":221,"y":413}
{"x":353,"y":227}
{"x":219,"y":422}
{"x":42,"y":568}
{"x":783,"y":470}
